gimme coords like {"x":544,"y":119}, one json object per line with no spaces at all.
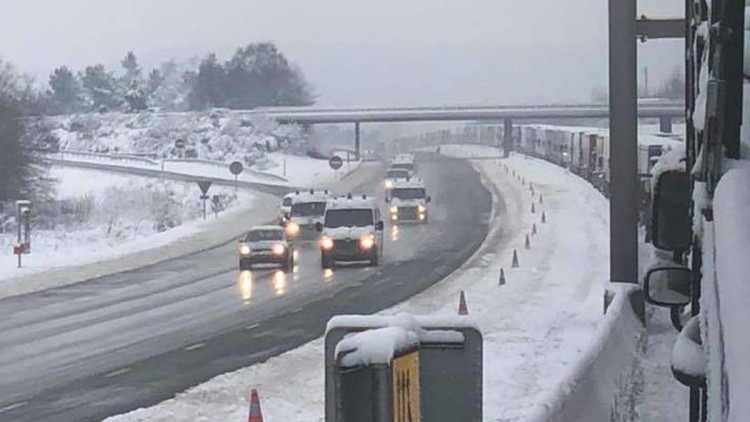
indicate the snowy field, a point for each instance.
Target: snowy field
{"x":535,"y":326}
{"x":107,"y":216}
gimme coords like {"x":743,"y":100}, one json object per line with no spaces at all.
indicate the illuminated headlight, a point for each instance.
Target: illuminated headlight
{"x":292,"y":229}
{"x":388,"y":184}
{"x":366,"y":242}
{"x":394,"y":209}
{"x":422,"y":208}
{"x":326,"y":243}
{"x":278,"y":249}
{"x":421,"y":217}
{"x":244,"y":250}
{"x":394,"y":217}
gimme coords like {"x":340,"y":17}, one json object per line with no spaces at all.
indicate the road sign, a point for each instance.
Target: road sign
{"x":204,"y":185}
{"x":335,"y":162}
{"x":405,"y":381}
{"x":236,"y":168}
{"x":180,"y":143}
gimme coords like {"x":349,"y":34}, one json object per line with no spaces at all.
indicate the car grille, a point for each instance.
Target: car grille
{"x":408,"y":213}
{"x":345,"y":245}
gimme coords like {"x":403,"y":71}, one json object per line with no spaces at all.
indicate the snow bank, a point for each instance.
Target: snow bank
{"x":377,"y":346}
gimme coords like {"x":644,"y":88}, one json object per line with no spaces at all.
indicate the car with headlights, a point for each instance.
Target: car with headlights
{"x":285,"y":207}
{"x":266,"y":245}
{"x":351,"y":231}
{"x":409,"y":201}
{"x":306,"y":212}
{"x":392,"y":176}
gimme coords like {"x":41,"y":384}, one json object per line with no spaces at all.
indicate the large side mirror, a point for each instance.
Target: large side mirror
{"x":387,"y":199}
{"x":688,"y":358}
{"x":429,"y":199}
{"x":319,"y":226}
{"x":671,"y":225}
{"x":668,"y":286}
{"x":379,"y":226}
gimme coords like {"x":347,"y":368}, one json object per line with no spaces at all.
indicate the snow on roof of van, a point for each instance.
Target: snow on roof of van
{"x":315,"y":196}
{"x":356,"y":201}
{"x":403,"y":158}
{"x":414,"y":182}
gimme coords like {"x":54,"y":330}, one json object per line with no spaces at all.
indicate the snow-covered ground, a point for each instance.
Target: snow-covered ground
{"x":535,"y":326}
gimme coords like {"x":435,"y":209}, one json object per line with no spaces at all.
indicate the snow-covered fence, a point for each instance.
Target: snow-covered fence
{"x":603,"y":384}
{"x":83,"y":155}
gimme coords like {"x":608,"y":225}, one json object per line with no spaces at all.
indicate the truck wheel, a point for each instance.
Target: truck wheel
{"x":288,"y":265}
{"x":325,"y":262}
{"x":374,"y":259}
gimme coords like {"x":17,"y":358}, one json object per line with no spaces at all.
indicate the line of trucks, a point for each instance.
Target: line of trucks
{"x":347,"y":228}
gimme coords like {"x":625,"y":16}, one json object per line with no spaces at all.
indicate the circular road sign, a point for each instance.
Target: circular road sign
{"x":236,"y":168}
{"x":180,"y":143}
{"x":335,"y":162}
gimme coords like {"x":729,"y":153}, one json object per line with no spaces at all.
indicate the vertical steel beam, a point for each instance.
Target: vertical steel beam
{"x":507,"y":137}
{"x":356,"y":141}
{"x":623,"y":75}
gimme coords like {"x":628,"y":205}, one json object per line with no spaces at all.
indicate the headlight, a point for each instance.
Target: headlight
{"x":244,"y":250}
{"x":367,"y":242}
{"x":388,"y":184}
{"x":278,"y":249}
{"x":292,"y":229}
{"x":394,"y":209}
{"x":422,"y":208}
{"x":326,"y":243}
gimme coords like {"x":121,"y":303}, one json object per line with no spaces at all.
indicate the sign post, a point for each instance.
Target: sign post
{"x":23,"y":222}
{"x":204,"y":185}
{"x":335,"y":162}
{"x":18,"y":251}
{"x":179,"y":145}
{"x":236,"y":168}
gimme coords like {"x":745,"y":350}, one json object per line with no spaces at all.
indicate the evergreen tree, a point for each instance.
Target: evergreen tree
{"x":66,"y":90}
{"x":101,"y":88}
{"x":208,"y":85}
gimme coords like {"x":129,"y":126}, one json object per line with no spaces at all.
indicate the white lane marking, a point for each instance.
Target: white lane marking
{"x":117,"y":372}
{"x":195,"y":346}
{"x":250,"y":327}
{"x":294,"y":311}
{"x":13,"y":406}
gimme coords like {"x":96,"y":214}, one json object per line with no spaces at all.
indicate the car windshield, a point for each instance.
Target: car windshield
{"x":264,"y":235}
{"x":348,"y":218}
{"x":308,"y":209}
{"x":287,"y":202}
{"x":397,"y":174}
{"x":408,"y":193}
{"x":405,"y":166}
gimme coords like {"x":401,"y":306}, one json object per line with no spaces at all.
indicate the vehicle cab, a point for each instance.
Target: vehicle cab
{"x":409,"y":201}
{"x":351,"y":231}
{"x":266,"y":245}
{"x":307,"y":210}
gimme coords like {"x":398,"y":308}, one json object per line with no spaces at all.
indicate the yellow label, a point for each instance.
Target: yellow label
{"x":405,"y":379}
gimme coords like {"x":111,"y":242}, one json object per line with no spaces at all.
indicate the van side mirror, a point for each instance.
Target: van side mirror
{"x":379,"y":226}
{"x":671,"y":225}
{"x":668,"y":286}
{"x":688,"y":358}
{"x":429,"y":199}
{"x":319,"y":226}
{"x":387,"y":199}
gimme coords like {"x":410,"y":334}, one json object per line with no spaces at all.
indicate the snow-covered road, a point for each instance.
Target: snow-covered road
{"x":535,"y":326}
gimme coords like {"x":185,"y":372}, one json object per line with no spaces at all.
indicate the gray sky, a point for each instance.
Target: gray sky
{"x":355,"y":52}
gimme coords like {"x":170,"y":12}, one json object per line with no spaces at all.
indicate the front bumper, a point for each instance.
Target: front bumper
{"x":350,"y":250}
{"x":409,"y":214}
{"x":261,"y":258}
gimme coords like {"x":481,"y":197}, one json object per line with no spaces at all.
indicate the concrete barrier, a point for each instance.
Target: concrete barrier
{"x":603,"y":385}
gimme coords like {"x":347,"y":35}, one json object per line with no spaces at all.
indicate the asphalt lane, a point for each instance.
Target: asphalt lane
{"x":113,"y":344}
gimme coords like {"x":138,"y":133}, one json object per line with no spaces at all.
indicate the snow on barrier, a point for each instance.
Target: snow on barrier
{"x":602,"y":385}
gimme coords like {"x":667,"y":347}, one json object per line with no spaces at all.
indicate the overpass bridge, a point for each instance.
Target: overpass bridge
{"x":664,"y":111}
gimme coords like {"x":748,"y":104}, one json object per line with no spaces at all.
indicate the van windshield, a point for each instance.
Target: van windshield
{"x":308,"y":209}
{"x":408,"y":193}
{"x":405,"y":166}
{"x":349,"y":218}
{"x":397,"y":174}
{"x":263,"y":235}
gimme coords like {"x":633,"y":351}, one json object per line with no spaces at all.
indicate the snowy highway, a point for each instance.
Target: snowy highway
{"x":109,"y":345}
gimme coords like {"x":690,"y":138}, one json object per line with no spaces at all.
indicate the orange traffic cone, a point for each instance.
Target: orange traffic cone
{"x":533,"y":229}
{"x":544,"y":217}
{"x":527,"y":243}
{"x":502,"y":278}
{"x":255,"y":413}
{"x":462,"y":308}
{"x":533,"y":208}
{"x":514,"y":264}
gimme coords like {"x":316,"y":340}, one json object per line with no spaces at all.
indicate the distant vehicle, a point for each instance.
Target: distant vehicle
{"x":351,"y":231}
{"x":405,"y":162}
{"x":392,"y":175}
{"x":409,"y":200}
{"x":266,"y":245}
{"x":285,"y":208}
{"x":306,"y":212}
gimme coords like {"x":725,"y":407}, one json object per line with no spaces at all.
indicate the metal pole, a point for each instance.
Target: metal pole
{"x":507,"y":137}
{"x":623,"y":88}
{"x":356,"y":140}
